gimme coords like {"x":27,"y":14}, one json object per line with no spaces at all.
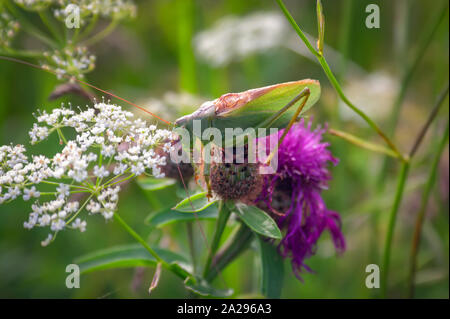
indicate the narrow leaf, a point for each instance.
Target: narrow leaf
{"x":153,"y":184}
{"x":272,"y":270}
{"x":194,"y":203}
{"x":169,"y":216}
{"x":259,"y":221}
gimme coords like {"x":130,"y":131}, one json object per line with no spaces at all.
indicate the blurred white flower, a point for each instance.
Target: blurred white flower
{"x":114,"y":9}
{"x":374,"y":94}
{"x":233,"y":38}
{"x":70,"y":61}
{"x":8,"y":29}
{"x":34,"y":4}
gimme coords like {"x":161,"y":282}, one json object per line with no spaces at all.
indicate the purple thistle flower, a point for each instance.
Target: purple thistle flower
{"x":293,"y":194}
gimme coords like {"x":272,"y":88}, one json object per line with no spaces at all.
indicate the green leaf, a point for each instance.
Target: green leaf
{"x":258,"y":221}
{"x":195,"y":203}
{"x":126,"y":256}
{"x":203,"y":288}
{"x":272,"y":269}
{"x":153,"y":184}
{"x":169,"y":216}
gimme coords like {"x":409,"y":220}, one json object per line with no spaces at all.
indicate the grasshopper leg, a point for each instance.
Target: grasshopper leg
{"x":305,"y":93}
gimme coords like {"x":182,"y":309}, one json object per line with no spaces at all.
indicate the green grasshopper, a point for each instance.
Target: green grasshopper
{"x":255,"y":108}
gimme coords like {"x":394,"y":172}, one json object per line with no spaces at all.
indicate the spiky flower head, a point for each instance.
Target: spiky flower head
{"x":235,"y":179}
{"x":293,"y":194}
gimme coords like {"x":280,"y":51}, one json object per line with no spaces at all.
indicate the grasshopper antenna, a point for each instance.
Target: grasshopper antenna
{"x":70,"y":78}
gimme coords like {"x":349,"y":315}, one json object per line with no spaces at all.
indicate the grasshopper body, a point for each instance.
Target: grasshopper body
{"x":255,"y":108}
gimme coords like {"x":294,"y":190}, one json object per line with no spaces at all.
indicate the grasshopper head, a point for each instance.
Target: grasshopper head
{"x":207,"y":109}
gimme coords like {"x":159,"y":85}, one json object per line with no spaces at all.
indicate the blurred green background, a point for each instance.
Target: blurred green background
{"x":156,"y":53}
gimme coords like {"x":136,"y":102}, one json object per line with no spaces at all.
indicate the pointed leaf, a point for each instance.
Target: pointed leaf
{"x":153,"y":184}
{"x":194,"y":203}
{"x":125,"y":256}
{"x":169,"y":216}
{"x":259,"y":221}
{"x":272,"y":267}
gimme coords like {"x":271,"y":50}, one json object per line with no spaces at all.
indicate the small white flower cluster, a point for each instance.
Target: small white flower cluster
{"x":36,"y":5}
{"x":110,"y":147}
{"x":8,"y":29}
{"x":233,"y":38}
{"x":113,"y":9}
{"x":70,"y":61}
{"x":374,"y":93}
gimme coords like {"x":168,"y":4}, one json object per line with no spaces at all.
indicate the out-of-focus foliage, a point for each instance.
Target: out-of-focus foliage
{"x":145,"y":58}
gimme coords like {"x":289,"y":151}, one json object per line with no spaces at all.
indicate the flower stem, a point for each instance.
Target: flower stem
{"x":409,"y":71}
{"x":140,"y":240}
{"x":432,"y":116}
{"x":406,"y":80}
{"x":240,"y":242}
{"x":334,"y":82}
{"x":102,"y":34}
{"x":49,"y":23}
{"x":30,"y":28}
{"x":185,"y":22}
{"x":224,"y":215}
{"x":362,"y":143}
{"x":421,"y":215}
{"x":392,"y":219}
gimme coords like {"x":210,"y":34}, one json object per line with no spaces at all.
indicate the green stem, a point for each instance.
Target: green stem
{"x":79,"y":210}
{"x":344,"y":37}
{"x":61,"y":135}
{"x":49,"y":23}
{"x":390,"y":232}
{"x":102,"y":34}
{"x":240,"y":242}
{"x":407,"y":76}
{"x":431,"y":117}
{"x":362,"y":143}
{"x":29,"y":27}
{"x":185,"y":21}
{"x":334,"y":82}
{"x":421,"y":215}
{"x":297,"y":29}
{"x":22,"y":53}
{"x":406,"y":80}
{"x":224,"y":215}
{"x":140,"y":240}
{"x":77,"y":35}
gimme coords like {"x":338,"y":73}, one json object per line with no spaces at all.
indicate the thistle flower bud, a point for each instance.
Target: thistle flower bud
{"x":236,"y":181}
